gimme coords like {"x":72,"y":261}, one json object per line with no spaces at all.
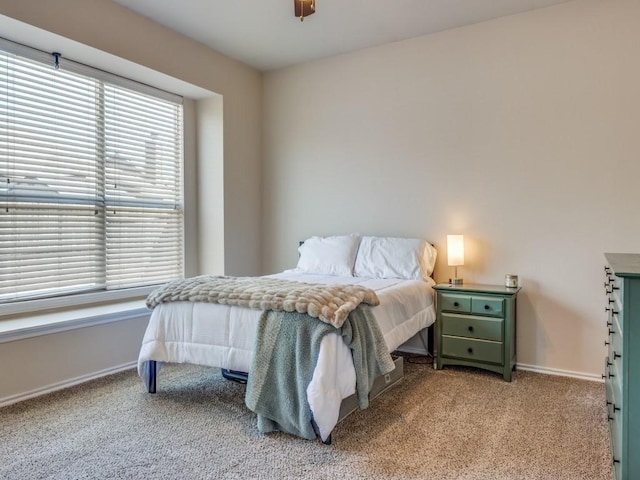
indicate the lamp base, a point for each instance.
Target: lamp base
{"x":455,"y":281}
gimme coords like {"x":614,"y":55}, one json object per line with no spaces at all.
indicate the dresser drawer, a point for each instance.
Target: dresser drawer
{"x":472,"y":349}
{"x":614,"y":379}
{"x":614,"y":298}
{"x":614,"y":335}
{"x":454,"y":303}
{"x":614,"y":351}
{"x":474,"y":327}
{"x":615,"y":433}
{"x":488,"y":306}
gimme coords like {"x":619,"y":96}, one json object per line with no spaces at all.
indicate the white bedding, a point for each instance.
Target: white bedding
{"x":223,"y":336}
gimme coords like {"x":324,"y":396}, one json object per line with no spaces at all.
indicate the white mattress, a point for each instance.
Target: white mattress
{"x":223,"y":336}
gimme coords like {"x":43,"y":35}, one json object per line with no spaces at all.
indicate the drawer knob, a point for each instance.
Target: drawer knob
{"x":616,"y":355}
{"x":614,"y":312}
{"x":607,"y":309}
{"x":615,"y":409}
{"x":470,"y":350}
{"x":456,"y":304}
{"x":611,"y":332}
{"x":611,"y":375}
{"x":609,"y":324}
{"x":609,"y":363}
{"x":615,"y":460}
{"x":610,"y":418}
{"x":487,"y":307}
{"x":470,"y":328}
{"x":611,"y":300}
{"x":606,"y":343}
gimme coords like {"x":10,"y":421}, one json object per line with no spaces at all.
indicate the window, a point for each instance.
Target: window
{"x":90,"y":180}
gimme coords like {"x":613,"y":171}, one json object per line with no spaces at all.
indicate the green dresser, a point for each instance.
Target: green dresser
{"x":476,"y":327}
{"x":622,"y":365}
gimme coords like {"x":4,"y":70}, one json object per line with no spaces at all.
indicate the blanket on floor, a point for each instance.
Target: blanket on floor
{"x":286,"y":352}
{"x":329,"y":303}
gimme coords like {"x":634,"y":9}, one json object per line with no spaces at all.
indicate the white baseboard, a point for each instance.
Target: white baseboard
{"x":561,"y":373}
{"x":102,"y":373}
{"x":65,"y":384}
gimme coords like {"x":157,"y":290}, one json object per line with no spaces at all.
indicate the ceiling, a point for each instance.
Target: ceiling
{"x":266,"y":35}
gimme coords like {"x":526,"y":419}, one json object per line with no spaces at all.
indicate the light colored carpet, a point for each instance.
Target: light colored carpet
{"x":450,"y":424}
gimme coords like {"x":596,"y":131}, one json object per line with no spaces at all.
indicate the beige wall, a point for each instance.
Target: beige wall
{"x":521,"y":133}
{"x":37,"y":365}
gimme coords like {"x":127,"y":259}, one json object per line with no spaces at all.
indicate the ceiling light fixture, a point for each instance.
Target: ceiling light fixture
{"x":304,"y":8}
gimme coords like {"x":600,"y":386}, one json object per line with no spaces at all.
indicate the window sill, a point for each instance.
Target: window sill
{"x":45,"y":323}
{"x":69,"y":302}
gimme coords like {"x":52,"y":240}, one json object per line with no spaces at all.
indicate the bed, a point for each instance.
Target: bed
{"x":224,"y":336}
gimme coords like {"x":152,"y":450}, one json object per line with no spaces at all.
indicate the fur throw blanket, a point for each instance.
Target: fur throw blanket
{"x":329,"y":303}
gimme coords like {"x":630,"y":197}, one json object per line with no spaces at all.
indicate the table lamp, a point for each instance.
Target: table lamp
{"x":455,"y":255}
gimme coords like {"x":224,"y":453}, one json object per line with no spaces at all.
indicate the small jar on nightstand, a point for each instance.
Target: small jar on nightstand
{"x":476,"y":327}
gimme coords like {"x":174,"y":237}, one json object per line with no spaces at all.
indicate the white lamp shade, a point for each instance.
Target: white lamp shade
{"x":455,"y":250}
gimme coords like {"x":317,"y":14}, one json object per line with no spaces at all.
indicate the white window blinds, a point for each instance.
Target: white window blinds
{"x":90,"y":182}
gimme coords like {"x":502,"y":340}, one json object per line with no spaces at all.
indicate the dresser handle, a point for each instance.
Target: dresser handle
{"x":615,"y":288}
{"x":611,"y":300}
{"x":615,"y":409}
{"x":608,"y":402}
{"x":611,"y":332}
{"x":487,"y":307}
{"x":456,"y":304}
{"x":615,"y":460}
{"x":609,"y":324}
{"x":606,"y":343}
{"x":611,"y":375}
{"x":603,"y":377}
{"x":614,"y":312}
{"x":470,"y":328}
{"x":609,"y":364}
{"x":616,"y":355}
{"x":610,"y":418}
{"x":470,"y":350}
{"x":607,"y":309}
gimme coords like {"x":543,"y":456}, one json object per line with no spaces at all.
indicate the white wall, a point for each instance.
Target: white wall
{"x":521,"y":133}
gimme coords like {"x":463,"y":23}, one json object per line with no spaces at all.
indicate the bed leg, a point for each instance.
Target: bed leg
{"x":151,"y":380}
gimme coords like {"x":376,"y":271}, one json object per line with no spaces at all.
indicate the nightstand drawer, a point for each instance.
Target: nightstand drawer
{"x":474,"y":327}
{"x":454,"y":303}
{"x":469,"y":349}
{"x":488,"y":306}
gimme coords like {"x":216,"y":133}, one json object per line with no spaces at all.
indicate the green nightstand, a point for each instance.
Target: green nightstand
{"x":476,"y":327}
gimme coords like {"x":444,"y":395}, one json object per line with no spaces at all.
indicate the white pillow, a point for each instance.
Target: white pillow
{"x":329,"y":255}
{"x":389,"y":257}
